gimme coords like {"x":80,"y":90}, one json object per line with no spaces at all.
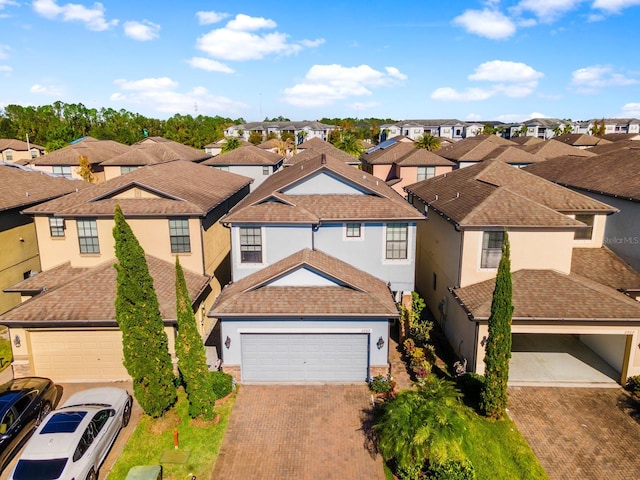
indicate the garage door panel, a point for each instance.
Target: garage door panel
{"x":300,"y":357}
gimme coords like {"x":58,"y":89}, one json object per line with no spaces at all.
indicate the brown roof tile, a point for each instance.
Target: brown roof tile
{"x":580,"y":139}
{"x":314,"y":148}
{"x":604,"y":266}
{"x":247,"y":155}
{"x":17,"y":145}
{"x":97,"y":151}
{"x":356,"y":293}
{"x":473,"y":148}
{"x":552,"y":149}
{"x":156,"y":151}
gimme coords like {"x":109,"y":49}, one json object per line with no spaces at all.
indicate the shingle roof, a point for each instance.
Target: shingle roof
{"x":614,"y":174}
{"x":356,"y":293}
{"x":552,"y":149}
{"x":619,"y":137}
{"x":22,"y":187}
{"x":612,"y":147}
{"x":526,"y":140}
{"x":17,"y":145}
{"x":156,"y":151}
{"x":473,"y":148}
{"x":604,"y":266}
{"x":493,"y":193}
{"x":313,"y":149}
{"x":65,"y":305}
{"x":405,"y":154}
{"x":97,"y":151}
{"x":174,"y":183}
{"x":247,"y":155}
{"x":580,"y":139}
{"x":547,"y":295}
{"x":379,"y":201}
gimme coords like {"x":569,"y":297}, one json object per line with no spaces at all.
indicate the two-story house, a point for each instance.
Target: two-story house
{"x":556,"y":309}
{"x":320,"y":251}
{"x":17,"y":151}
{"x":300,"y":130}
{"x":311,"y":148}
{"x":67,"y":330}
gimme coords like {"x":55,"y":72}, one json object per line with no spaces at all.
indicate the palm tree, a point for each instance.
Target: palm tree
{"x":350,"y":144}
{"x":422,"y":425}
{"x":428,"y":141}
{"x":231,"y":143}
{"x":284,"y":146}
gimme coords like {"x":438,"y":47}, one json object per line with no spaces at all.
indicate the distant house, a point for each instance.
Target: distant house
{"x":487,"y":147}
{"x":215,"y":148}
{"x":537,"y":127}
{"x":17,"y":151}
{"x":23,"y":188}
{"x":68,"y":330}
{"x":566,"y":293}
{"x":581,"y":140}
{"x":250,"y":161}
{"x":445,"y":128}
{"x":300,"y":131}
{"x":313,"y":147}
{"x":554,"y":148}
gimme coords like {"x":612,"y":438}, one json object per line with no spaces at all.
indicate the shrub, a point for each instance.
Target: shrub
{"x":451,"y":470}
{"x":222,"y":383}
{"x":381,"y":384}
{"x":471,"y":385}
{"x":633,"y":385}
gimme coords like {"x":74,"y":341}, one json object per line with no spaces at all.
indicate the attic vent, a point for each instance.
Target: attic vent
{"x":436,"y":197}
{"x":457,"y":194}
{"x":26,"y":193}
{"x":323,"y":159}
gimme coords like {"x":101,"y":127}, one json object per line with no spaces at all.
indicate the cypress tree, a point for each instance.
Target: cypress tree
{"x":144,"y":341}
{"x":493,"y":399}
{"x":192,"y":361}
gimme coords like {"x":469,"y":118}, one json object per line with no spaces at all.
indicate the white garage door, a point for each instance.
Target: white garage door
{"x":78,"y":355}
{"x":305,"y":357}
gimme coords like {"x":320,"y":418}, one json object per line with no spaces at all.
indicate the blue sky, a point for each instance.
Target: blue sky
{"x":470,"y":60}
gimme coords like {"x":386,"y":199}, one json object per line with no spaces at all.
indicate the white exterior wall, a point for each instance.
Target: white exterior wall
{"x":252,"y":171}
{"x":608,"y":347}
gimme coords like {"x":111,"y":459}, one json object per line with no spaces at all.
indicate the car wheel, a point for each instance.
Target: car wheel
{"x":46,"y":408}
{"x":92,"y":475}
{"x":126,"y":414}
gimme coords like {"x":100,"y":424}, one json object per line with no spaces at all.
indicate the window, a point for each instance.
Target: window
{"x":179,"y":235}
{"x":26,"y":274}
{"x":426,"y":172}
{"x":56,"y":226}
{"x":250,"y":245}
{"x":265,"y":170}
{"x":34,"y":154}
{"x":125,"y":170}
{"x":491,"y":249}
{"x":88,"y":236}
{"x":584,"y":233}
{"x":396,"y":241}
{"x":354,"y":230}
{"x":9,"y":156}
{"x":64,"y":170}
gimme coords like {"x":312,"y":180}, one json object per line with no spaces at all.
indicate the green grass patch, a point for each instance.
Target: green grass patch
{"x":6,"y":354}
{"x":152,"y":437}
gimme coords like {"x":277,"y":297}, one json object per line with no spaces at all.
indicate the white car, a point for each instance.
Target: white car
{"x":72,"y":442}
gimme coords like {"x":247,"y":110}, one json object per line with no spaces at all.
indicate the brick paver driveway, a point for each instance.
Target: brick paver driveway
{"x":301,"y":432}
{"x":583,"y":433}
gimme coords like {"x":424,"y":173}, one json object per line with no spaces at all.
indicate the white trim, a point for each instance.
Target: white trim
{"x":238,"y":253}
{"x":397,"y":261}
{"x":352,"y":239}
{"x":303,"y":330}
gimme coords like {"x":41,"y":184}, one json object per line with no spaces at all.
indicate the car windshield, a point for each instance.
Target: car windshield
{"x":39,"y":469}
{"x":63,"y":422}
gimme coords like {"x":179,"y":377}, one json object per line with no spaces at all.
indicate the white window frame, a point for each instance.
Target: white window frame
{"x":58,"y":227}
{"x":580,"y":217}
{"x":63,"y":170}
{"x":409,"y":241}
{"x":92,"y":228}
{"x":262,"y":245}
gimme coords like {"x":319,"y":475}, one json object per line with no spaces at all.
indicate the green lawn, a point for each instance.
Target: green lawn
{"x":6,"y":355}
{"x":152,"y":437}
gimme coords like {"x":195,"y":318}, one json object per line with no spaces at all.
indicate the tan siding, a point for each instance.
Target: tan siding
{"x":18,"y":254}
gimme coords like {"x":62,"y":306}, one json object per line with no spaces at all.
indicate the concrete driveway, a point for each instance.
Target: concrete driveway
{"x":68,"y":389}
{"x":585,"y":433}
{"x":299,"y":432}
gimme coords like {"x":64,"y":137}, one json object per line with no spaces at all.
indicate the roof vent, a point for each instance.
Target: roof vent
{"x":457,"y":194}
{"x":26,"y":193}
{"x":323,"y":159}
{"x":436,"y":197}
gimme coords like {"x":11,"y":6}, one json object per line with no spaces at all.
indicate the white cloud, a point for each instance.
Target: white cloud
{"x":509,"y":79}
{"x":45,"y":90}
{"x":207,"y":18}
{"x":505,"y":71}
{"x":209,"y":65}
{"x":4,"y":3}
{"x":614,"y":6}
{"x":4,"y":51}
{"x":69,"y":12}
{"x":163,"y":94}
{"x":6,"y":70}
{"x":237,"y":40}
{"x":631,"y":110}
{"x":591,"y":79}
{"x":142,"y":31}
{"x":326,"y":84}
{"x":486,"y":23}
{"x":547,"y":10}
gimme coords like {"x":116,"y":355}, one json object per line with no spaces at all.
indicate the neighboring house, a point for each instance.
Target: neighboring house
{"x":400,"y":163}
{"x":301,"y":131}
{"x":316,"y":146}
{"x":66,"y":161}
{"x":19,"y":257}
{"x":250,"y":161}
{"x":613,"y":178}
{"x":459,"y":248}
{"x":215,"y":148}
{"x":171,"y":215}
{"x":448,"y":128}
{"x":553,"y":148}
{"x":147,"y":152}
{"x":581,"y":140}
{"x":319,"y":223}
{"x":17,"y":151}
{"x":612,"y":125}
{"x":484,"y":147}
{"x":537,"y":127}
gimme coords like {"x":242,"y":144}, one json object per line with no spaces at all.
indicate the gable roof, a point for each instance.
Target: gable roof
{"x":580,"y":139}
{"x":493,"y":193}
{"x":547,"y":295}
{"x":405,"y":154}
{"x":614,"y":174}
{"x":613,"y":146}
{"x":17,"y":145}
{"x":604,"y":266}
{"x":526,"y":140}
{"x":246,"y":155}
{"x":172,"y":183}
{"x":313,"y":149}
{"x":268,"y":202}
{"x":473,"y":148}
{"x":156,"y":150}
{"x":355,"y":294}
{"x":63,"y":304}
{"x":97,"y":151}
{"x":553,"y":148}
{"x":22,"y":187}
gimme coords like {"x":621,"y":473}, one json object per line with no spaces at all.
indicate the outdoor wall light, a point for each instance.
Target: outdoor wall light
{"x":380,"y":343}
{"x":16,"y":341}
{"x":227,"y":342}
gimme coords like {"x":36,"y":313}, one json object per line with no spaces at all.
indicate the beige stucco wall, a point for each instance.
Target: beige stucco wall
{"x":530,"y":249}
{"x":597,"y":236}
{"x":99,"y":175}
{"x":17,"y":155}
{"x":409,"y":175}
{"x":18,"y":255}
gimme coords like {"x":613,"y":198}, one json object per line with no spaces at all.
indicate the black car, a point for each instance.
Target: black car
{"x":24,"y":402}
